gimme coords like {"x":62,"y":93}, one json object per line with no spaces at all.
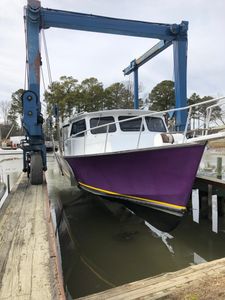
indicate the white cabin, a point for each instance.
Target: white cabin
{"x":112,"y":131}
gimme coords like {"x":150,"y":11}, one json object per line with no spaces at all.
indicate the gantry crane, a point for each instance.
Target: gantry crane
{"x":37,"y":18}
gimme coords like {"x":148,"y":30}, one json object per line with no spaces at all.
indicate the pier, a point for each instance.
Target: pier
{"x":133,"y":221}
{"x":30,"y":262}
{"x":183,"y":284}
{"x":29,"y":266}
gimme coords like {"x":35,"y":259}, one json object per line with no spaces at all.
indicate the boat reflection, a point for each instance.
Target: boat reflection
{"x":106,"y":245}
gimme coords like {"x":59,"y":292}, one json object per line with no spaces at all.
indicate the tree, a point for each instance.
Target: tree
{"x":162,"y":96}
{"x":4,"y":107}
{"x":62,"y":93}
{"x":90,"y":96}
{"x":200,"y":112}
{"x":118,"y":95}
{"x":16,"y":108}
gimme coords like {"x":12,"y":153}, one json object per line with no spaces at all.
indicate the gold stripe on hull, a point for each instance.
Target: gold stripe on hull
{"x":154,"y":202}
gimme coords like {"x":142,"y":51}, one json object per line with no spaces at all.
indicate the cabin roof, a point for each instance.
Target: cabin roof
{"x":112,"y":112}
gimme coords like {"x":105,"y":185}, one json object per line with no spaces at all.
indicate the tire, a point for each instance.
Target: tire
{"x":36,"y":169}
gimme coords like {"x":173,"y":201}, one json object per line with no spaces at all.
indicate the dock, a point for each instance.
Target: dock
{"x":30,"y":266}
{"x":184,"y":284}
{"x":29,"y":263}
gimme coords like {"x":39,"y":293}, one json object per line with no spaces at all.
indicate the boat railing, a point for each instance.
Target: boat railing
{"x":191,"y":112}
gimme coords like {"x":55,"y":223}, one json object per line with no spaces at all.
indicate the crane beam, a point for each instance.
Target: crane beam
{"x":37,"y":18}
{"x":94,"y":23}
{"x":155,"y":50}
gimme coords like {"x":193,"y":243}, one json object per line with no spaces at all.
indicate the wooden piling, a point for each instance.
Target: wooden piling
{"x":219,"y":168}
{"x":8,"y":183}
{"x":209,"y":201}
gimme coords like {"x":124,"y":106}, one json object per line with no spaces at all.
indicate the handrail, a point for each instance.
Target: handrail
{"x":106,"y":138}
{"x":140,"y":131}
{"x":187,"y":122}
{"x":161,"y":113}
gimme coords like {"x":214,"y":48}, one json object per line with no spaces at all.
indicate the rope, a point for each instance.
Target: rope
{"x":43,"y":79}
{"x":47,"y":57}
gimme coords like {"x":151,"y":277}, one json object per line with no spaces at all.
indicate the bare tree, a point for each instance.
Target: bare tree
{"x":4,"y":109}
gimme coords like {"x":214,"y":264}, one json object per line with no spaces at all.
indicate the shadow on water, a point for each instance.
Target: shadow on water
{"x":105,"y":244}
{"x":108,"y":248}
{"x":103,"y":247}
{"x":161,"y":220}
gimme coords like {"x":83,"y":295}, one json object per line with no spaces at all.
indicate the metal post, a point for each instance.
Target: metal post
{"x":180,"y":75}
{"x":187,"y":123}
{"x":106,"y":138}
{"x":8,"y":183}
{"x":214,"y":214}
{"x":139,"y":136}
{"x":136,"y":104}
{"x":195,"y":205}
{"x":219,"y":168}
{"x":209,"y":201}
{"x":85,"y":133}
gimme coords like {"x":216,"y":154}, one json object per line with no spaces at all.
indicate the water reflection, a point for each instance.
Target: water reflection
{"x":106,"y":245}
{"x":109,"y":250}
{"x":102,"y":249}
{"x":208,"y":163}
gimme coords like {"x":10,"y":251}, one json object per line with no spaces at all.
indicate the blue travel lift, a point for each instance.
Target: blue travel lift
{"x":37,"y":18}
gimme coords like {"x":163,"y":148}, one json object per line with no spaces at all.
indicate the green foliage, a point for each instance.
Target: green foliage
{"x":118,"y":95}
{"x":63,"y":94}
{"x":89,"y":95}
{"x":200,"y":112}
{"x":162,"y":96}
{"x":16,"y":109}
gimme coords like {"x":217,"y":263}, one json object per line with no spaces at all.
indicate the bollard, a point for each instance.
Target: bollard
{"x":219,"y":168}
{"x":8,"y":183}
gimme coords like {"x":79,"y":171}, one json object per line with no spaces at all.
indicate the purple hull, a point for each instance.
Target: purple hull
{"x":161,"y":178}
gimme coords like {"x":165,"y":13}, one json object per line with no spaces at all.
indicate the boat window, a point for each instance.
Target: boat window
{"x":132,"y":125}
{"x":155,"y":124}
{"x":78,"y":127}
{"x":102,"y":121}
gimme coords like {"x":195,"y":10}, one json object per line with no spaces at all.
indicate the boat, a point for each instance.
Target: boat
{"x":10,"y":151}
{"x":130,"y":155}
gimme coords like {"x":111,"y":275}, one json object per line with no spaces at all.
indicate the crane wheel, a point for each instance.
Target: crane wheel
{"x":36,"y":169}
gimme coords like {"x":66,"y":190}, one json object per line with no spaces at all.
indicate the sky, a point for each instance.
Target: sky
{"x":84,"y":54}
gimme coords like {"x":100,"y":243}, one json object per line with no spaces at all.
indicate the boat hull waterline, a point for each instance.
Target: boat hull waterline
{"x":159,"y":178}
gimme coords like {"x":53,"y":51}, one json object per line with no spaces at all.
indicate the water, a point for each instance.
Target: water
{"x":209,"y":162}
{"x":104,"y":245}
{"x":102,"y":250}
{"x":10,"y":165}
